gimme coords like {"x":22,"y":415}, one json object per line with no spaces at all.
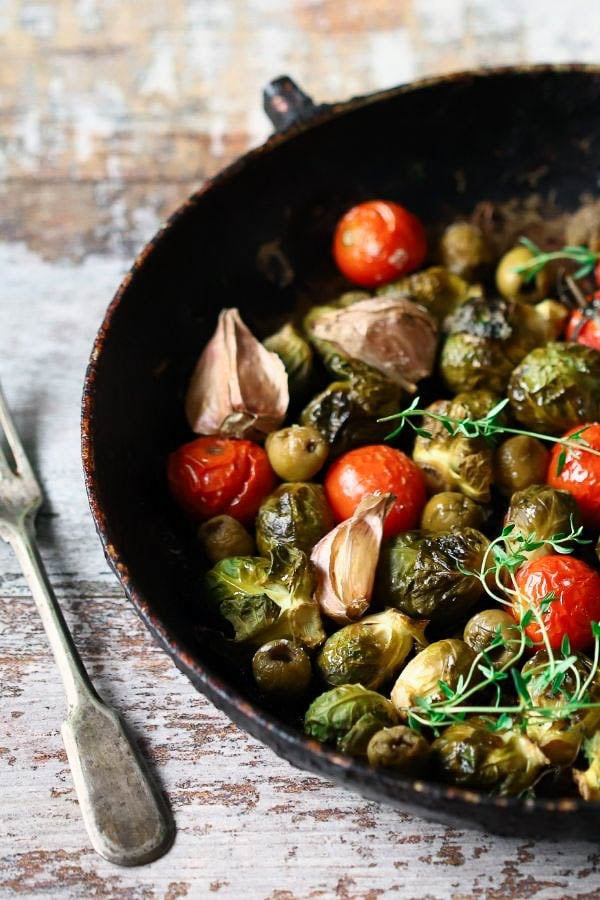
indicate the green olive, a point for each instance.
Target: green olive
{"x":451,"y":509}
{"x":485,"y":627}
{"x":281,"y":668}
{"x":514,"y":285}
{"x":465,"y":250}
{"x":296,"y":453}
{"x":224,"y":536}
{"x":520,"y":462}
{"x":400,"y":747}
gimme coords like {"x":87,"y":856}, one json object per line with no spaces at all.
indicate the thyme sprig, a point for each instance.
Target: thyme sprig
{"x":488,"y":427}
{"x":580,"y":254}
{"x":503,"y":557}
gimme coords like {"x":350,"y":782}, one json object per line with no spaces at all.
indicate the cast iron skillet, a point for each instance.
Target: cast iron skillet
{"x":254,"y":237}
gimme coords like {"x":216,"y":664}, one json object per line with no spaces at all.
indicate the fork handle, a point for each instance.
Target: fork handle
{"x":126,"y":818}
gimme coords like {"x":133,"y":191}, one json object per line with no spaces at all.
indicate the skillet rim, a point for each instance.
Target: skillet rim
{"x":286,"y":741}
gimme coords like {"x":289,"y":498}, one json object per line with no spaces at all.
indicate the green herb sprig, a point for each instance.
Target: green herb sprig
{"x":580,"y":254}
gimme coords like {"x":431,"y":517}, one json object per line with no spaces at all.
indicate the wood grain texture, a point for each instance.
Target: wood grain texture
{"x":111,"y":112}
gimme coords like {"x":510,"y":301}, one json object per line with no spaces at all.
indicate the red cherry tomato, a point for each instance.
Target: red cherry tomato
{"x":212,"y":476}
{"x":576,"y":587}
{"x":378,"y":241}
{"x":578,"y":472}
{"x":377,"y":469}
{"x":584,"y":329}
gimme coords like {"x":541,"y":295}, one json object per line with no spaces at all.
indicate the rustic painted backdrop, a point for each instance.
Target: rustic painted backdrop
{"x":111,"y":112}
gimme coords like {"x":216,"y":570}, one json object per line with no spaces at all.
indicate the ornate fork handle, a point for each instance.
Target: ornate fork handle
{"x":126,"y":817}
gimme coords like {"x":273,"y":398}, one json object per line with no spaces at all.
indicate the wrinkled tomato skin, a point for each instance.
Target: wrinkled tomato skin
{"x":580,"y":474}
{"x":378,"y":241}
{"x":589,"y":335}
{"x":377,"y":469}
{"x":214,"y":476}
{"x":577,"y":589}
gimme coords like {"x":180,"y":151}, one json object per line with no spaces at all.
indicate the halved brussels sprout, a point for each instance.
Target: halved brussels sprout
{"x":400,"y":748}
{"x":295,"y":514}
{"x":472,"y":755}
{"x":469,"y":362}
{"x":443,"y":661}
{"x":519,"y":462}
{"x":370,"y":651}
{"x":543,"y":512}
{"x":265,"y":599}
{"x":282,"y":669}
{"x":457,"y":462}
{"x":348,"y":716}
{"x":420,"y":573}
{"x":561,"y":739}
{"x":485,"y":627}
{"x":556,"y":388}
{"x":449,"y":510}
{"x":296,"y":355}
{"x":437,"y":289}
{"x":465,"y":250}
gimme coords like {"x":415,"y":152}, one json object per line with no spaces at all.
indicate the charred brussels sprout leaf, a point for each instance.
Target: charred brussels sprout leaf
{"x":348,"y":716}
{"x":470,"y":754}
{"x":400,"y":748}
{"x":541,"y":511}
{"x":265,"y":599}
{"x":424,"y":574}
{"x":556,"y":387}
{"x":296,"y":355}
{"x":295,"y":514}
{"x":469,"y":362}
{"x":437,"y":289}
{"x":444,"y":661}
{"x":455,"y":462}
{"x":370,"y":651}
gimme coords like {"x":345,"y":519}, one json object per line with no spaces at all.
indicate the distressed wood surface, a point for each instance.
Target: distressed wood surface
{"x":111,"y":112}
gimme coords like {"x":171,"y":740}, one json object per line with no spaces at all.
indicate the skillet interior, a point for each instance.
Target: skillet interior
{"x":438,"y":147}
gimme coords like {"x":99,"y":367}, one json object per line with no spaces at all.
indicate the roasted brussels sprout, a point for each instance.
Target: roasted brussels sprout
{"x":348,"y":716}
{"x":560,"y":739}
{"x":469,"y":362}
{"x":469,"y":754}
{"x":520,"y":462}
{"x":400,"y":748}
{"x":370,"y":651}
{"x":420,"y":573}
{"x":295,"y":514}
{"x":541,"y":511}
{"x":449,"y":510}
{"x":266,"y":599}
{"x":588,"y":781}
{"x":282,"y":669}
{"x":442,"y":661}
{"x":224,"y":536}
{"x":485,"y":627}
{"x":455,"y":462}
{"x":483,"y":317}
{"x":296,"y":355}
{"x":437,"y":289}
{"x":465,"y":250}
{"x":512,"y":284}
{"x":296,"y":453}
{"x":556,"y":388}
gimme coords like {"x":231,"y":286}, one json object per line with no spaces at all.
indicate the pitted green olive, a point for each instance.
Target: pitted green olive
{"x":514,"y":284}
{"x":451,"y":509}
{"x":224,"y":536}
{"x":296,"y":453}
{"x":520,"y":462}
{"x":282,"y":668}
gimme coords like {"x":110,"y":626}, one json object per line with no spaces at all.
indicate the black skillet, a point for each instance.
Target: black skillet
{"x":255,"y":237}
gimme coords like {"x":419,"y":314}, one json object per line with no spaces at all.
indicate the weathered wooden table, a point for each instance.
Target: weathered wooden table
{"x":110,"y":113}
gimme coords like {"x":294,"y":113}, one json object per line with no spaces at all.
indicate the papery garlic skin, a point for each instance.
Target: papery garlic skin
{"x":345,"y":560}
{"x":389,"y":333}
{"x":238,"y":388}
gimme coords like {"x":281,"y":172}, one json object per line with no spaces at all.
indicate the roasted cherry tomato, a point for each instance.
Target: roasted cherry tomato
{"x":378,"y":241}
{"x":578,"y":472}
{"x":377,"y":469}
{"x":213,"y":476}
{"x":576,"y":603}
{"x":584,"y":325}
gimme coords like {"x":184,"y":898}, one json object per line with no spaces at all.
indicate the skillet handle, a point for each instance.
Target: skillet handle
{"x":286,"y":104}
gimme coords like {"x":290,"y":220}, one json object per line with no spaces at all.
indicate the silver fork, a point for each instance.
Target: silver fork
{"x":126,"y":818}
